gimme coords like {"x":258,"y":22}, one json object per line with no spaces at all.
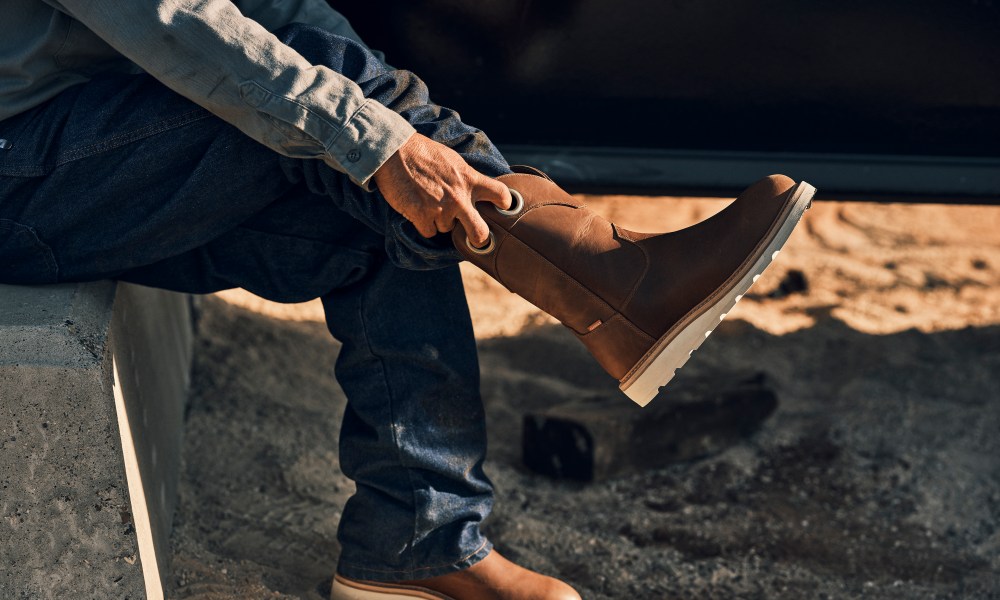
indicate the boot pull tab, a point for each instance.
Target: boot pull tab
{"x":530,"y":171}
{"x":516,"y":206}
{"x":490,"y":245}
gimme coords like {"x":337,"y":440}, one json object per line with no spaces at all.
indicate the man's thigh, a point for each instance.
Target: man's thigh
{"x":119,"y":173}
{"x":299,"y":247}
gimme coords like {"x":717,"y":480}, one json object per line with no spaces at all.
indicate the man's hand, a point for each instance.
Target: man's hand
{"x":430,"y":185}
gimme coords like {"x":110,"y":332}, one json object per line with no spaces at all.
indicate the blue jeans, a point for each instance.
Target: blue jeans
{"x":122,"y":178}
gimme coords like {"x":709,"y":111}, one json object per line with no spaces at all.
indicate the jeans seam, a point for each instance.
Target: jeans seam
{"x":128,"y":137}
{"x":485,"y":543}
{"x":32,"y":169}
{"x":50,"y":256}
{"x":392,"y":419}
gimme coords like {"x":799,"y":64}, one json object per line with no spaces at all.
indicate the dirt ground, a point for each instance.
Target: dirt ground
{"x":878,"y":475}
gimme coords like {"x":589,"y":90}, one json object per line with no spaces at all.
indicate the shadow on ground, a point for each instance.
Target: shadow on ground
{"x":877,"y":476}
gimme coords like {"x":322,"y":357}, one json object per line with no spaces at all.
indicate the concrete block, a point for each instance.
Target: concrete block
{"x":601,"y":437}
{"x":93,"y":380}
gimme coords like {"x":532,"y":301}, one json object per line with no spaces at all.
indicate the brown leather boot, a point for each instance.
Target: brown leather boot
{"x":493,"y":578}
{"x":641,"y":303}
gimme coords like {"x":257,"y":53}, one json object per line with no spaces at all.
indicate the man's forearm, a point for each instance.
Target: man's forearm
{"x":217,"y":57}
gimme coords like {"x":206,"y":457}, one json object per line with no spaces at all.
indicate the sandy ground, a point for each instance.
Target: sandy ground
{"x":878,"y":476}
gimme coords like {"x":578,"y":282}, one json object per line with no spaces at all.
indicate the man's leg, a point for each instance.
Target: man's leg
{"x":120,"y":178}
{"x":413,"y":436}
{"x":142,"y":175}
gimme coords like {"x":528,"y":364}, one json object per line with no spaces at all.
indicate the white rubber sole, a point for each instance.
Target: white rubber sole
{"x":345,"y":589}
{"x":676,"y":346}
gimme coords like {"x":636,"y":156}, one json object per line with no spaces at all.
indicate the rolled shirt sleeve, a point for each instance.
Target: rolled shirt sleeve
{"x":209,"y":52}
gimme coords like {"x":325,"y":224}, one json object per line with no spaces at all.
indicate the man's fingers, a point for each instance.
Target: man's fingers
{"x":475,"y":226}
{"x":486,"y":189}
{"x":491,"y":190}
{"x":444,"y":225}
{"x":427,"y":228}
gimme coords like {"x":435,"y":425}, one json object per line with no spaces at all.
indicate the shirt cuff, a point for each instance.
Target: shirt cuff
{"x":372,"y":135}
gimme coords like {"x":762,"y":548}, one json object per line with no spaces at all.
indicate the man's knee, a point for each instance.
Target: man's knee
{"x":320,"y":47}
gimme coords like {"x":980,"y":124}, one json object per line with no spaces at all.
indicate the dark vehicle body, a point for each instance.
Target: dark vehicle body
{"x":887,"y":97}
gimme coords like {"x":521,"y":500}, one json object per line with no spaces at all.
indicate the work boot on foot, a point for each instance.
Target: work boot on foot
{"x":493,"y":578}
{"x":640,"y":302}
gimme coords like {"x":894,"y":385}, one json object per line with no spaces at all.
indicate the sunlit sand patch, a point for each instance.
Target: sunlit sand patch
{"x":880,"y":268}
{"x":304,"y":311}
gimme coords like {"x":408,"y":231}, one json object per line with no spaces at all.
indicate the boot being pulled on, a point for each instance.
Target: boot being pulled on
{"x":640,"y":302}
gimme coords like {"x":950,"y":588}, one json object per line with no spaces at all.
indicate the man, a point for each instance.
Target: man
{"x":199,"y":145}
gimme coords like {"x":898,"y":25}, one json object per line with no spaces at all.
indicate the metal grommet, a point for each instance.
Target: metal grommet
{"x":490,"y":245}
{"x":517,"y":204}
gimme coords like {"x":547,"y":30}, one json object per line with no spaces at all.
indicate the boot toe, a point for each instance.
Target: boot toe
{"x":772,"y":185}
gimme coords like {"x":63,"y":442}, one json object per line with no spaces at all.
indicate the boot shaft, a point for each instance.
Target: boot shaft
{"x":641,"y":303}
{"x":550,"y":249}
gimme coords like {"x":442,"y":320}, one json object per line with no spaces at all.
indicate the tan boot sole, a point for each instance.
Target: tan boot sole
{"x":671,"y":351}
{"x":347,"y":589}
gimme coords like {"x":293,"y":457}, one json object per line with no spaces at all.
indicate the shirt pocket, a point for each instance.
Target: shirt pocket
{"x":24,"y":258}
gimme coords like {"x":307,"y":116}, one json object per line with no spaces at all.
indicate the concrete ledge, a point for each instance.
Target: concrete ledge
{"x":93,"y":380}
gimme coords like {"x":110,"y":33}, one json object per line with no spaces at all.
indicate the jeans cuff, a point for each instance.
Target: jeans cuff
{"x":408,"y":249}
{"x":362,"y":573}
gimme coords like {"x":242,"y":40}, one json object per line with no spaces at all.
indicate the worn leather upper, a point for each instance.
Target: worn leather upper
{"x":619,"y":290}
{"x":493,"y":578}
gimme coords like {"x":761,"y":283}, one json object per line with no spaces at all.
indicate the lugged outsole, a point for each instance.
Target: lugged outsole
{"x":678,"y":344}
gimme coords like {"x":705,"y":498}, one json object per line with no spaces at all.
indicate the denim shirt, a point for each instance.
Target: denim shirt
{"x":217,"y":53}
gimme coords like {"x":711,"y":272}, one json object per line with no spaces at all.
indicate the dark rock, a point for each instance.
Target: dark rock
{"x":601,"y":437}
{"x":794,"y":282}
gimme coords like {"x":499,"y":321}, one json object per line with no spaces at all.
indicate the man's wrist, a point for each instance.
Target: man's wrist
{"x":372,"y":135}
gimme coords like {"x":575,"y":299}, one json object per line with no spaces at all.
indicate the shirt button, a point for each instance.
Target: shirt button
{"x":354,"y":155}
{"x":4,"y":144}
